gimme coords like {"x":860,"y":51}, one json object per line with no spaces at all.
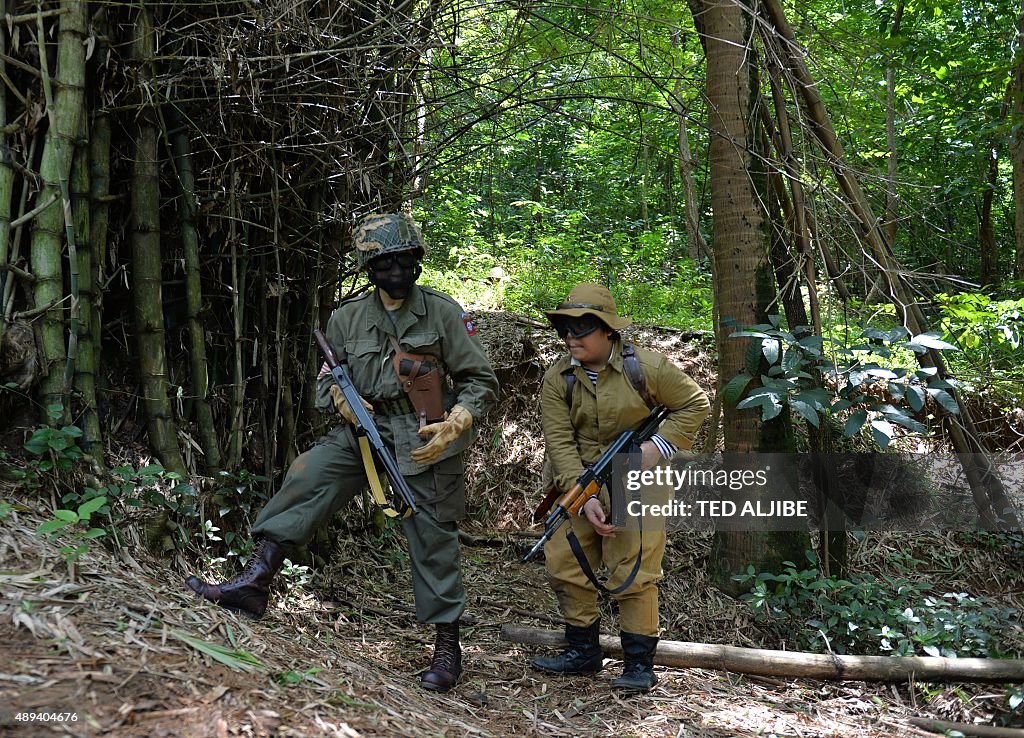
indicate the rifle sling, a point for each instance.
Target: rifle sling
{"x":376,"y":489}
{"x":581,"y":558}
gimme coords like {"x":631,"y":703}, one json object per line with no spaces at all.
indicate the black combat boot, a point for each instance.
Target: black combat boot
{"x":582,"y":656}
{"x":638,"y":663}
{"x":248,"y":592}
{"x":446,"y":666}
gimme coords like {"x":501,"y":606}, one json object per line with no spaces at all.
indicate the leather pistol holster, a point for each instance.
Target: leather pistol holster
{"x":423,"y":382}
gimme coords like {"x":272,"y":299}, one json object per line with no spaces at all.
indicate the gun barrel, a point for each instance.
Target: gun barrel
{"x":549,"y":530}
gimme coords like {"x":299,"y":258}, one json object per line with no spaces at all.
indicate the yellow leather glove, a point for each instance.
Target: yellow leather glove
{"x":341,"y":405}
{"x":441,"y":435}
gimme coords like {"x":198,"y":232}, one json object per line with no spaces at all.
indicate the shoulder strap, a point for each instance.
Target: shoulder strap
{"x":635,"y":373}
{"x":630,"y":365}
{"x":570,"y":384}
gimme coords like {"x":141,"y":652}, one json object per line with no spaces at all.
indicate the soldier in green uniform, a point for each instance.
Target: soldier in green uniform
{"x":599,"y":389}
{"x":418,"y":324}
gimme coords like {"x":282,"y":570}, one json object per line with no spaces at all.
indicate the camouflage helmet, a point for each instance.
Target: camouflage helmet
{"x":376,"y":235}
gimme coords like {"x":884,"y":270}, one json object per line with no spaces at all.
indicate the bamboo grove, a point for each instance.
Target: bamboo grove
{"x":172,"y":195}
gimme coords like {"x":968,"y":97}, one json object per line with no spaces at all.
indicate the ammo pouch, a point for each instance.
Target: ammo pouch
{"x":421,"y":379}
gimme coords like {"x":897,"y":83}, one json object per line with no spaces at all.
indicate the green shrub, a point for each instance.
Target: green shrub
{"x":868,"y":615}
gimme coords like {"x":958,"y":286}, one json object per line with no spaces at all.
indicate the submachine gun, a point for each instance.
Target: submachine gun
{"x":365,"y":425}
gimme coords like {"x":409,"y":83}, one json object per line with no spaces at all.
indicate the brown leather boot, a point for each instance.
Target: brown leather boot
{"x":446,"y":667}
{"x":248,"y":592}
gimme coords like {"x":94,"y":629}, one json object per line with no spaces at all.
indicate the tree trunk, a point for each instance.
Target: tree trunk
{"x":891,"y":195}
{"x":988,"y":249}
{"x":48,"y":230}
{"x":743,"y":270}
{"x":986,"y":486}
{"x":146,"y":263}
{"x":1018,"y":149}
{"x":695,"y":243}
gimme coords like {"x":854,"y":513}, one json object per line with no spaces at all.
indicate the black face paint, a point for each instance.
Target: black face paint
{"x":395,"y":274}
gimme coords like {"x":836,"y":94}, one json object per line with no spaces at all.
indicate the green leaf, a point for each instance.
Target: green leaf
{"x":916,"y":397}
{"x":753,"y":357}
{"x":768,"y":400}
{"x":881,"y":432}
{"x":88,"y":507}
{"x":68,"y":515}
{"x":931,"y":340}
{"x":732,"y":392}
{"x":805,"y":410}
{"x":51,"y":526}
{"x":899,"y":417}
{"x":772,"y":408}
{"x":770,"y":348}
{"x":945,"y":399}
{"x":234,"y":659}
{"x":854,"y":423}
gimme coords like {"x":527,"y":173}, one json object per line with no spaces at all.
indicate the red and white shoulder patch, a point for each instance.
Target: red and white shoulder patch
{"x":467,"y":321}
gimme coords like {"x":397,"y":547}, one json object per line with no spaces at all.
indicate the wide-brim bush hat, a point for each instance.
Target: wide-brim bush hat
{"x":591,"y":299}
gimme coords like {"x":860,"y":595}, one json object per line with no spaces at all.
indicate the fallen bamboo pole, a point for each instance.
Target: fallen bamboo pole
{"x":764,"y":662}
{"x":984,"y":731}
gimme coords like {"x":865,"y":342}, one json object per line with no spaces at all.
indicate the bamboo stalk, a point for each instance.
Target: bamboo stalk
{"x":87,"y":355}
{"x":7,"y":306}
{"x":69,"y":220}
{"x":6,"y":181}
{"x":797,"y":664}
{"x":99,"y":216}
{"x":64,"y":108}
{"x":146,"y":264}
{"x":237,"y":306}
{"x":200,"y":378}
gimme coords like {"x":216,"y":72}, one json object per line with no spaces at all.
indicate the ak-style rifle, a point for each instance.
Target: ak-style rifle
{"x":589,"y":483}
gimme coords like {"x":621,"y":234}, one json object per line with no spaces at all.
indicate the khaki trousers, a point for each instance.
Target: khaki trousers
{"x":577,"y":597}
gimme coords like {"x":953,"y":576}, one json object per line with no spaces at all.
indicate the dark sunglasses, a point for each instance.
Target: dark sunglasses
{"x":404,"y":259}
{"x":576,"y":327}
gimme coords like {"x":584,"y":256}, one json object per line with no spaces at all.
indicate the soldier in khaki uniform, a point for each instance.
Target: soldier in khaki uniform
{"x":604,"y":404}
{"x":367,"y":332}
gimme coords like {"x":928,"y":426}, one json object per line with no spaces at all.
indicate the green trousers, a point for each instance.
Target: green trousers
{"x":326,"y":477}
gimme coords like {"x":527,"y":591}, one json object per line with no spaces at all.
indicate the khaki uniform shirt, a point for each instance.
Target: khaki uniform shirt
{"x":579,"y":435}
{"x":429,"y":322}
